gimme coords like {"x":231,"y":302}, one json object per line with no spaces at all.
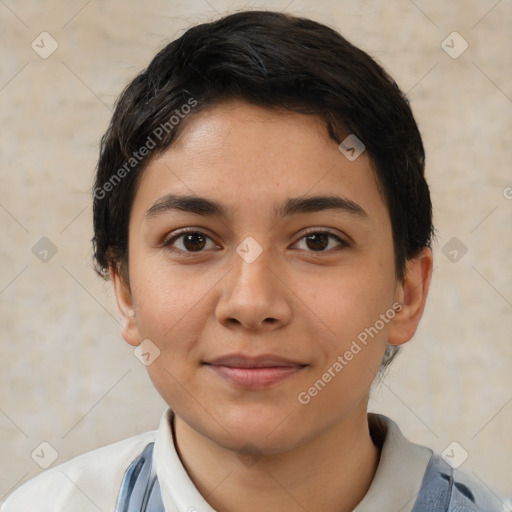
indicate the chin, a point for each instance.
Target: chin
{"x":270,"y":430}
{"x":257,"y":443}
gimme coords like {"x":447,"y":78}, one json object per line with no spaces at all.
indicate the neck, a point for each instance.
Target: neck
{"x":331,"y":473}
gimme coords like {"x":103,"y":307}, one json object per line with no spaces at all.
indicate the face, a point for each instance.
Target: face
{"x":255,"y":289}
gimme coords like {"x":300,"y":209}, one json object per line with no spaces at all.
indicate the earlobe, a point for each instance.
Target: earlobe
{"x":412,"y":294}
{"x":125,"y":308}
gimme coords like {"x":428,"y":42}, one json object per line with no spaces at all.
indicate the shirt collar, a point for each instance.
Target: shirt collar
{"x":399,"y":474}
{"x":394,"y":487}
{"x":179,"y":494}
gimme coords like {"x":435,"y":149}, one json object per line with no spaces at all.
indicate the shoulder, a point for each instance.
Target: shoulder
{"x":88,"y":482}
{"x":448,"y":490}
{"x":416,"y":470}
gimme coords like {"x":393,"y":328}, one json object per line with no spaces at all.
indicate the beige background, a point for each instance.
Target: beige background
{"x":67,"y":376}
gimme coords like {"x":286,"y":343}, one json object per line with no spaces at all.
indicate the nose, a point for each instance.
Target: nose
{"x":254,"y":296}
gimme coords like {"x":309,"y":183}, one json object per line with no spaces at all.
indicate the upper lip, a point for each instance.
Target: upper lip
{"x":260,"y":361}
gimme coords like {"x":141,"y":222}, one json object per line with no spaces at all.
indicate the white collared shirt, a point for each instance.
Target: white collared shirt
{"x":91,"y":482}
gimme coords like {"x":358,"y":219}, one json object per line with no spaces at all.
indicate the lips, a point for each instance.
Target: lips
{"x":261,"y":361}
{"x":254,"y":371}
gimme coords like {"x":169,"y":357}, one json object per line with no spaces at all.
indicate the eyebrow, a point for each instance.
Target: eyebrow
{"x":291,"y":206}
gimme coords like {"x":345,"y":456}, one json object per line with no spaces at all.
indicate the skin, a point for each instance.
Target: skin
{"x":293,"y":301}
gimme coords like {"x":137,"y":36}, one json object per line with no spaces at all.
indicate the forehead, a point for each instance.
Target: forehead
{"x":252,"y":159}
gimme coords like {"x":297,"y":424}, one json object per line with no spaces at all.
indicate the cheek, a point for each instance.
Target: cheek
{"x":353,"y":311}
{"x":173,"y":307}
{"x":348,"y":301}
{"x":172,"y":304}
{"x":352,"y":348}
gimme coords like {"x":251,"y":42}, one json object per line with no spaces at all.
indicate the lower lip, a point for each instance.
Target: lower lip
{"x":255,"y":377}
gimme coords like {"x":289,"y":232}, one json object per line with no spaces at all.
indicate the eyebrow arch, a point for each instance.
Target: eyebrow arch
{"x":308,"y":204}
{"x":187,"y":203}
{"x":291,"y":206}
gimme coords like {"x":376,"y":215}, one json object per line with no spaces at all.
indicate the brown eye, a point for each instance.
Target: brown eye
{"x":322,"y":241}
{"x":317,"y":241}
{"x":194,"y":241}
{"x":189,"y":241}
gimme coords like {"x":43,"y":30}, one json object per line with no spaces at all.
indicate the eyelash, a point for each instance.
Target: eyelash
{"x":343,"y":244}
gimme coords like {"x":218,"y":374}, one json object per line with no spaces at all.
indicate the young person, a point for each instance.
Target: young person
{"x":261,"y":209}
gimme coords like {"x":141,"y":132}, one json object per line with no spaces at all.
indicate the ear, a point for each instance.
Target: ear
{"x":125,"y":308}
{"x":412,"y":294}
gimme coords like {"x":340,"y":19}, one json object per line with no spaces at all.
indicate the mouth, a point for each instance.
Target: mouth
{"x":254,"y":372}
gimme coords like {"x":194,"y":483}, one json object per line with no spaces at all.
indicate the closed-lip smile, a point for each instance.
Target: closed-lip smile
{"x":254,"y":371}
